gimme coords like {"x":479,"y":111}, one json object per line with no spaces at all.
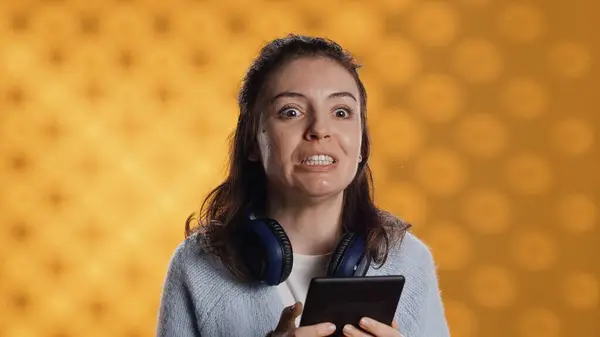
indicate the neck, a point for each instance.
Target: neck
{"x":313,"y":226}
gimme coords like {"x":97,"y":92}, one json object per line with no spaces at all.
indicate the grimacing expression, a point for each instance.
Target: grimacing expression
{"x":310,"y":131}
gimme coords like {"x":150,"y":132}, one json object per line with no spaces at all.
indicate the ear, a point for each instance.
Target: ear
{"x":254,"y":154}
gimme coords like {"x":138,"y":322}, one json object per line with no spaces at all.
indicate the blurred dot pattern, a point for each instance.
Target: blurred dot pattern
{"x":113,"y":124}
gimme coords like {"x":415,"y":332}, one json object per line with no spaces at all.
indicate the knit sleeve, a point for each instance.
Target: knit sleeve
{"x":434,"y":321}
{"x":176,"y":317}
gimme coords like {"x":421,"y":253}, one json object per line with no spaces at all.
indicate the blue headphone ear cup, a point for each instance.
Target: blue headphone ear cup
{"x":363,"y":265}
{"x":267,"y":251}
{"x":338,"y":254}
{"x":287,"y":256}
{"x":349,"y":257}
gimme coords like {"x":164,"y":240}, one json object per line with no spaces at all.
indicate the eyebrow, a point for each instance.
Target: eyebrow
{"x":297,"y":94}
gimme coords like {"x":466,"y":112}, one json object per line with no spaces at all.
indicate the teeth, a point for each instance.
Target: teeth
{"x":319,"y":160}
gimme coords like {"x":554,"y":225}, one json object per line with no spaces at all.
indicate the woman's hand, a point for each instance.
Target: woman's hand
{"x":287,"y":325}
{"x":372,"y":328}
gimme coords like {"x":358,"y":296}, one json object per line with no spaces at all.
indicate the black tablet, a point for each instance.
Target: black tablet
{"x":344,"y":301}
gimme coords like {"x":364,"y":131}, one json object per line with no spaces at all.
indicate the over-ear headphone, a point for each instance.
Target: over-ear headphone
{"x":268,"y":254}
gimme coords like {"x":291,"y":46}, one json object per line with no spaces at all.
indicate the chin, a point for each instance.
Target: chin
{"x":321,"y":189}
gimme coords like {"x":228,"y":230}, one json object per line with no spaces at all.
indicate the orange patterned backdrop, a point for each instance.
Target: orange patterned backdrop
{"x":113,"y":124}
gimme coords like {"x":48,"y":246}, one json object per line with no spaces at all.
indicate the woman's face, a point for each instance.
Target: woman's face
{"x":310,"y":134}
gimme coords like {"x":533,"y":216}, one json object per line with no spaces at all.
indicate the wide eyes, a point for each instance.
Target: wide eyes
{"x":293,"y":112}
{"x":342,"y":113}
{"x":288,"y":112}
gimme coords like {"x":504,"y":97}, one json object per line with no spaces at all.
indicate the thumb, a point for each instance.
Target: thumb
{"x":288,"y":317}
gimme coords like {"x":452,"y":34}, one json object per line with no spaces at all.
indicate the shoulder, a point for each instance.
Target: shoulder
{"x":191,"y":264}
{"x":406,"y":250}
{"x":411,"y":253}
{"x":186,"y":251}
{"x":200,"y":275}
{"x":412,"y":250}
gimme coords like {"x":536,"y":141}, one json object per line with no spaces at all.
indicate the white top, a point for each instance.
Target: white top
{"x":305,"y":268}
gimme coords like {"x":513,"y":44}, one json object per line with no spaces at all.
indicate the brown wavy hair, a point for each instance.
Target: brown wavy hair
{"x":225,"y":208}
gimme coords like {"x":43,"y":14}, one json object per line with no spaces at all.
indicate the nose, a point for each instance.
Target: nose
{"x":318,"y":129}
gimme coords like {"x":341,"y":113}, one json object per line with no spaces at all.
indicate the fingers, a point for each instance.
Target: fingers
{"x":377,"y":328}
{"x":351,"y":331}
{"x":321,"y":329}
{"x":287,"y":325}
{"x":288,"y":317}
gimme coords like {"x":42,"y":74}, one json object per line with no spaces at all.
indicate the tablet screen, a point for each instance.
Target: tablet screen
{"x":346,"y":300}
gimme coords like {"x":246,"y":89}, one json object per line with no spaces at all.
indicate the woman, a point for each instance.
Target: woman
{"x":299,"y":185}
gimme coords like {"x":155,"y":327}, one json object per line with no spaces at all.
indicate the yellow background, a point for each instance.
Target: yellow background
{"x":113,"y":124}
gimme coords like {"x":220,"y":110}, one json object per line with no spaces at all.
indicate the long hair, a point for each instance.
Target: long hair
{"x":225,"y":208}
